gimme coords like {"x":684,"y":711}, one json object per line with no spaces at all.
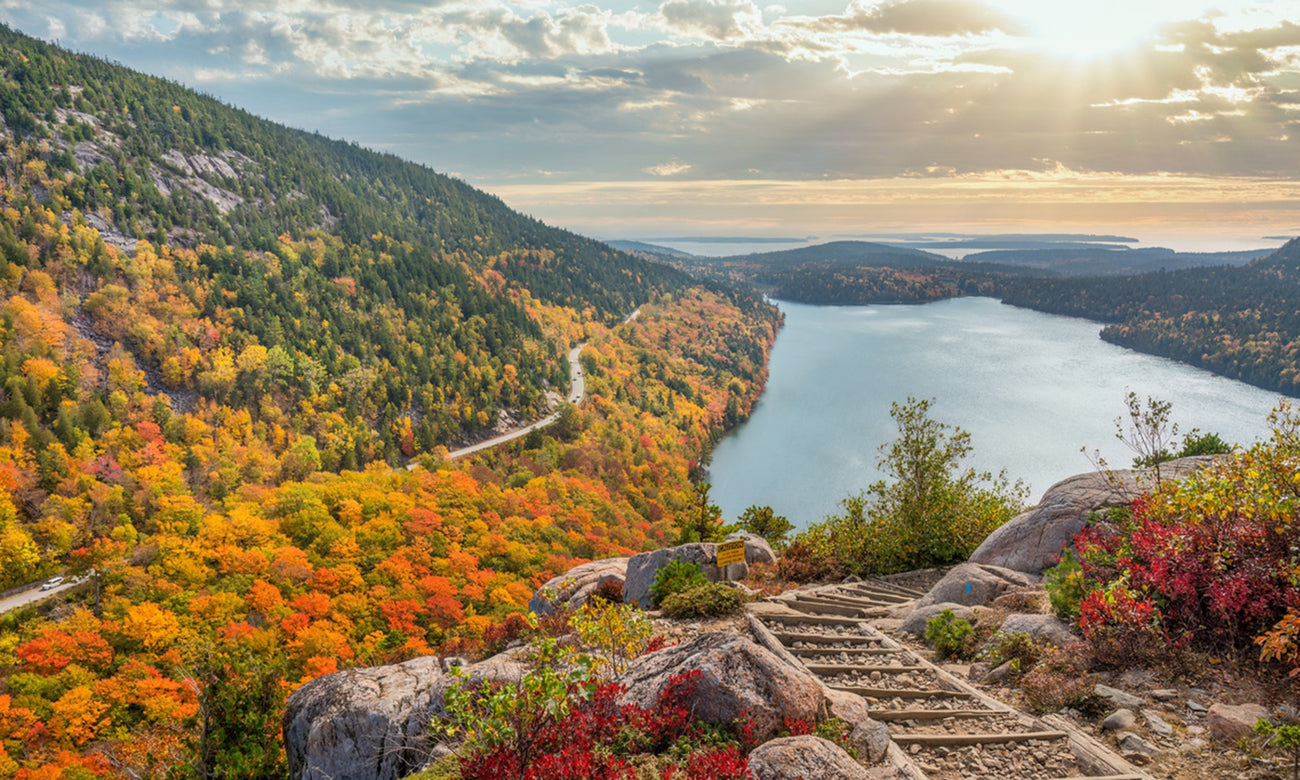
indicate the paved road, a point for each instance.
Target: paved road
{"x":34,"y":593}
{"x":577,"y":390}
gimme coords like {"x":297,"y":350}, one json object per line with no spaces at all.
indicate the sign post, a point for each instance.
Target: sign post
{"x":730,"y":553}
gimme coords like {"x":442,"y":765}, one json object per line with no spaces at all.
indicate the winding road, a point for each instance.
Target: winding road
{"x":577,"y":390}
{"x":34,"y":593}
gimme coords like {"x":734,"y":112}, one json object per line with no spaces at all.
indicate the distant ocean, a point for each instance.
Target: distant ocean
{"x":723,"y":246}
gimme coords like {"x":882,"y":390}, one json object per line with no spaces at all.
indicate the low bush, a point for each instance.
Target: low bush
{"x":1062,"y":679}
{"x":1022,"y":649}
{"x":677,"y":577}
{"x":617,"y":632}
{"x":951,"y":636}
{"x":1066,"y":586}
{"x":1208,"y":561}
{"x":935,"y":512}
{"x":712,"y":599}
{"x":555,"y":725}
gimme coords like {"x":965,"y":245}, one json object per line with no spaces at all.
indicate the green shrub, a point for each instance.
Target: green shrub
{"x":1023,"y":649}
{"x":933,"y":511}
{"x":677,"y":577}
{"x":837,"y":731}
{"x":763,"y":521}
{"x":951,"y":636}
{"x":618,"y":632}
{"x":712,"y":599}
{"x":1067,"y":587}
{"x":1062,"y":679}
{"x":1285,"y":738}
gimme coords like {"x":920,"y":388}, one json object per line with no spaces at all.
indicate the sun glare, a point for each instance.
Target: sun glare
{"x":1096,"y":28}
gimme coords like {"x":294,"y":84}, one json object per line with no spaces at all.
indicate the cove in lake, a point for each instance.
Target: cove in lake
{"x":1030,"y":388}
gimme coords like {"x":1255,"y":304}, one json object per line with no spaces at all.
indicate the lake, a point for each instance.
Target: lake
{"x":1030,"y":388}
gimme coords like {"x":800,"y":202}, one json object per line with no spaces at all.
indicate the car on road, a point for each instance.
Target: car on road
{"x":52,"y":583}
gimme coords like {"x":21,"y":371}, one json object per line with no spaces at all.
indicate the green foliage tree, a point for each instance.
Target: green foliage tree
{"x":1149,"y":432}
{"x":763,"y":521}
{"x":677,"y":577}
{"x":702,"y":521}
{"x":240,"y":706}
{"x":942,"y":509}
{"x":933,"y":512}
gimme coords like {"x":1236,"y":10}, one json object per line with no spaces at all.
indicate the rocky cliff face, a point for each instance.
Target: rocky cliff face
{"x":1032,"y":541}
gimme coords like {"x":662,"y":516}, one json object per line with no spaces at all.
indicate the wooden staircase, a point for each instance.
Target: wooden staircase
{"x":941,"y":727}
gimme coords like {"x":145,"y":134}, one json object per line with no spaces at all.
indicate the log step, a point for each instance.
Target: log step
{"x":842,"y":600}
{"x":1103,"y":777}
{"x":957,"y":740}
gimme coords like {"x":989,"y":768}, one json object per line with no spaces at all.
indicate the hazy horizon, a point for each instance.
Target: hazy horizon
{"x":1173,"y":120}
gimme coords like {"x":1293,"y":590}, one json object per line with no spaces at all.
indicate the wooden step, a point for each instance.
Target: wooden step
{"x":821,"y":598}
{"x":957,"y":740}
{"x":813,"y":620}
{"x":849,"y":650}
{"x":811,"y":607}
{"x":846,"y":668}
{"x":890,"y":716}
{"x":884,"y":591}
{"x":1102,"y":777}
{"x":899,"y":693}
{"x":826,"y":639}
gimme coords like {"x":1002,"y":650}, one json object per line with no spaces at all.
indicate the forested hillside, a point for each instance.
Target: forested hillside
{"x":1242,"y":322}
{"x":1239,"y":319}
{"x":217,"y":338}
{"x":371,"y":288}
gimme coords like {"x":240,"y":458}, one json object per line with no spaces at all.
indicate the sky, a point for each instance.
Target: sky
{"x":1176,"y":121}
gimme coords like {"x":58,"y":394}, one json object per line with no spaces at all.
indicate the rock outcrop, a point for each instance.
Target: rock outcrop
{"x":1033,"y":540}
{"x":971,"y":584}
{"x":353,"y":725}
{"x":575,"y":586}
{"x":1046,"y":627}
{"x":737,"y":677}
{"x":915,"y":621}
{"x":807,"y":757}
{"x":870,"y":737}
{"x":1232,"y":722}
{"x":373,"y":724}
{"x":641,"y":569}
{"x":757,"y":550}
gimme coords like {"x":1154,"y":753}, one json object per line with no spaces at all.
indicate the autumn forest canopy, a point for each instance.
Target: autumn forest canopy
{"x":219,"y":338}
{"x":234,"y":357}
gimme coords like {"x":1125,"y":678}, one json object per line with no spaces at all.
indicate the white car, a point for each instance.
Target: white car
{"x":52,"y":583}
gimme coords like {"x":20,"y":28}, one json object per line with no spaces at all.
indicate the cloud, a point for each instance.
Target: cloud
{"x":668,"y":169}
{"x":926,"y":17}
{"x":717,"y":19}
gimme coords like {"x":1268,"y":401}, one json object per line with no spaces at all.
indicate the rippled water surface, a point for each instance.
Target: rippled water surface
{"x":1031,"y":388}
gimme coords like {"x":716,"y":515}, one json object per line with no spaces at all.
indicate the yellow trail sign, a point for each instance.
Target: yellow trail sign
{"x":731,"y":552}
